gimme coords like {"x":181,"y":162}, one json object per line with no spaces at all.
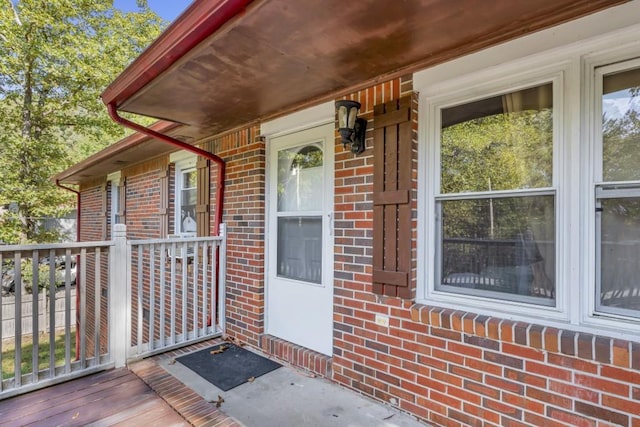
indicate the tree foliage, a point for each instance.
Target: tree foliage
{"x":56,"y":57}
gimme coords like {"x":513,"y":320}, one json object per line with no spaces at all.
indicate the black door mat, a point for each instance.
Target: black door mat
{"x":228,"y":368}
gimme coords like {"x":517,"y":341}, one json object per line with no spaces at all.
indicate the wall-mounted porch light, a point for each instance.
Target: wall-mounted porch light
{"x":351,"y":128}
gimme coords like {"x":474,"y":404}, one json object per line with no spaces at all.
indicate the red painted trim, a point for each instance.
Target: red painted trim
{"x":199,"y":21}
{"x":113,"y":112}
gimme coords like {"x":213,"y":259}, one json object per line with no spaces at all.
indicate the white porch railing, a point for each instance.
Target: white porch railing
{"x":173,"y":295}
{"x":67,"y":310}
{"x":46,"y":345}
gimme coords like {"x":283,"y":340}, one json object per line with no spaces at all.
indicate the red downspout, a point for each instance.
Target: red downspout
{"x":78,"y":284}
{"x":113,"y":112}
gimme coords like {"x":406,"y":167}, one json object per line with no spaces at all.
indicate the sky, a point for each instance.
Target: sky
{"x":617,"y":104}
{"x":166,"y":9}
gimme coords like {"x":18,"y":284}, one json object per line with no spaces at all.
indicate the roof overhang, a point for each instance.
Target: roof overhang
{"x":126,"y":152}
{"x":226,"y":63}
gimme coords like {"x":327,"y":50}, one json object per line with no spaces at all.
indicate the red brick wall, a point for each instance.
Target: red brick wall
{"x":142,"y":207}
{"x":244,"y":215}
{"x":91,"y":200}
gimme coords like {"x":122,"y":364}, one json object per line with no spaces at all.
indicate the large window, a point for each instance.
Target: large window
{"x":529,"y":183}
{"x":618,"y":190}
{"x":495,"y":208}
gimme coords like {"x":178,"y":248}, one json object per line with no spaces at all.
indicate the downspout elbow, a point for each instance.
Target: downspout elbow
{"x":78,"y":207}
{"x":113,"y":113}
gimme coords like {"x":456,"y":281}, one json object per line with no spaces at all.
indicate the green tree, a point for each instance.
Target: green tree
{"x":56,"y":57}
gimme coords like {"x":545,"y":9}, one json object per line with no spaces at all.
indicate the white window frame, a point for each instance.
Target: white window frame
{"x":114,"y":179}
{"x":184,"y":162}
{"x":572,"y":51}
{"x":510,"y":80}
{"x":595,"y":66}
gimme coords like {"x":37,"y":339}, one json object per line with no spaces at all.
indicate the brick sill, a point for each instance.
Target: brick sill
{"x":489,"y":332}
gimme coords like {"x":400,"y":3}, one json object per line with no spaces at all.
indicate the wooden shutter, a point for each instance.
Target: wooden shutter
{"x":392,"y":175}
{"x":122,"y":201}
{"x":203,"y":197}
{"x":163,"y":210}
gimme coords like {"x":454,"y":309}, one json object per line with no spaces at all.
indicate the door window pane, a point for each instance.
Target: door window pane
{"x":300,"y":248}
{"x":621,"y":126}
{"x":499,"y":143}
{"x":300,"y":179}
{"x":502,"y":245}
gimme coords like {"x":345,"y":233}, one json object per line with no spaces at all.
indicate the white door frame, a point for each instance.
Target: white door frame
{"x":308,"y":119}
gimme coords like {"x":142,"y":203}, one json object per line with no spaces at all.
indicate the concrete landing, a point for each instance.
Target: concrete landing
{"x":287,"y":397}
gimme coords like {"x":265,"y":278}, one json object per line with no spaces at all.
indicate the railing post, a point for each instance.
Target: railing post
{"x":118,"y":306}
{"x":222,"y":274}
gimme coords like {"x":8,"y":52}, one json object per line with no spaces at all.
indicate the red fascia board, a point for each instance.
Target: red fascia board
{"x":199,"y":21}
{"x":120,"y":146}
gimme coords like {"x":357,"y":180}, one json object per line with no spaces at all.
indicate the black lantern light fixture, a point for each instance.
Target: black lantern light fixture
{"x":351,"y":128}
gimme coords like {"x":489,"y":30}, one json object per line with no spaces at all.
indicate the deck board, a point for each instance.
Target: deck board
{"x":116,"y":397}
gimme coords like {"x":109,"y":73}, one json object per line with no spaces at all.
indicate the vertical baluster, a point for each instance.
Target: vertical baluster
{"x":214,"y":283}
{"x":184,"y":290}
{"x":205,"y":305}
{"x":83,"y":308}
{"x":67,"y":307}
{"x":35,"y":312}
{"x":17,"y":269}
{"x":98,"y":308}
{"x":163,"y":273}
{"x":194,"y":300}
{"x":139,"y":301}
{"x":172,"y":295}
{"x":128,"y":303}
{"x":222,"y":245}
{"x":52,"y":313}
{"x":152,"y":294}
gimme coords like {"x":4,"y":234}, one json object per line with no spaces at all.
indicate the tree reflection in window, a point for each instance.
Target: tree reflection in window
{"x":299,"y":175}
{"x":500,"y":243}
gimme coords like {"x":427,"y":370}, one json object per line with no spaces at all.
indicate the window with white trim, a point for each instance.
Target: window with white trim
{"x":617,"y":188}
{"x":114,"y":214}
{"x":115,"y":203}
{"x":529,"y":185}
{"x":495,"y":202}
{"x":186,"y":190}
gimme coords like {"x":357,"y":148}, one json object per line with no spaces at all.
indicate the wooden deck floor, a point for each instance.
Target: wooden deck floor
{"x":112,"y":398}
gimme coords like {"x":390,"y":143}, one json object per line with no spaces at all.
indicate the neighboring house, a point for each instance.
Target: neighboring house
{"x":476,"y":263}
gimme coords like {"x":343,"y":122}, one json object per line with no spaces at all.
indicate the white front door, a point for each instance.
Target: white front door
{"x":300,"y":244}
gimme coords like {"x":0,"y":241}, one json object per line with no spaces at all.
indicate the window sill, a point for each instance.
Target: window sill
{"x":491,"y":332}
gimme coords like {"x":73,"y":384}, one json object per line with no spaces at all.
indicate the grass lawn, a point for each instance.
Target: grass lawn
{"x":26,"y":366}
